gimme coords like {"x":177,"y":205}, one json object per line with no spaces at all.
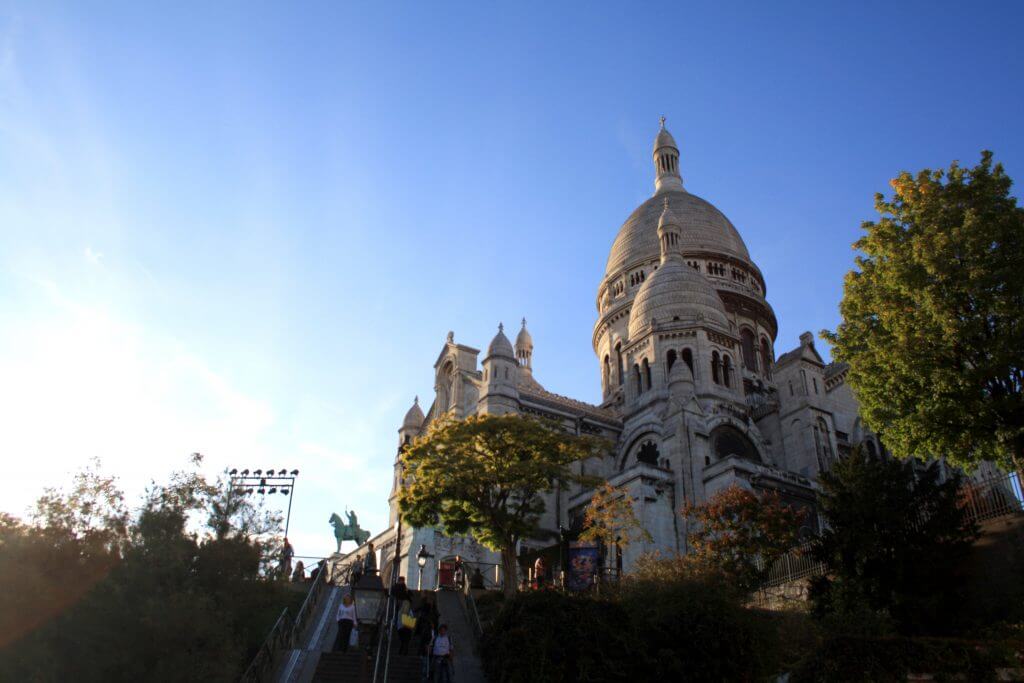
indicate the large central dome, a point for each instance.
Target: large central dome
{"x":704,"y":228}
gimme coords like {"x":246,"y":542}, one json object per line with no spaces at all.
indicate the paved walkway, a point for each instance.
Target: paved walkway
{"x":467,"y":665}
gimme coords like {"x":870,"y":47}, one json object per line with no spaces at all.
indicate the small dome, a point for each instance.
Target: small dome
{"x":523,"y":339}
{"x":675,"y":292}
{"x":414,"y":418}
{"x":500,"y":345}
{"x":664,"y":139}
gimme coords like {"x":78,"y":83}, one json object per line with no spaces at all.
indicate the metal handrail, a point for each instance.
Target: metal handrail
{"x":285,"y":630}
{"x":313,"y":597}
{"x":471,"y":602}
{"x":383,"y":632}
{"x":262,"y":665}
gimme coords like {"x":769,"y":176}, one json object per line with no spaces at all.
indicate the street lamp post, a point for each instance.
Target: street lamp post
{"x":264,"y":482}
{"x":421,"y":561}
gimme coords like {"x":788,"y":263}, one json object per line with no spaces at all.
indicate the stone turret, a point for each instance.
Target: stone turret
{"x":411,"y":425}
{"x":498,"y":393}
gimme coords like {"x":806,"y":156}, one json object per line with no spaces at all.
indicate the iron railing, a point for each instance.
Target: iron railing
{"x":279,"y":639}
{"x":982,"y":500}
{"x":286,"y":630}
{"x":992,"y":498}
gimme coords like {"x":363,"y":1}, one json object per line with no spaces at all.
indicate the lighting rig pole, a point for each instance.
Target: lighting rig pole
{"x":264,"y":482}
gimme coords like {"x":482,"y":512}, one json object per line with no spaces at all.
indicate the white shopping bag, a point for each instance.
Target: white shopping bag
{"x":353,"y":638}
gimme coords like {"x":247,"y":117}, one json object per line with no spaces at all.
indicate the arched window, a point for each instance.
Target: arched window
{"x":726,"y":370}
{"x":606,"y":371}
{"x":822,"y":444}
{"x":715,"y":370}
{"x":727,"y":440}
{"x":636,"y":377}
{"x":803,"y":381}
{"x":647,"y":374}
{"x":872,"y":451}
{"x":749,"y":352}
{"x":618,"y":361}
{"x":766,"y":359}
{"x":688,"y":359}
{"x":670,"y":358}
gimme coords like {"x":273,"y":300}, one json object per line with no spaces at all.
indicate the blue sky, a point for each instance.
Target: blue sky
{"x":245,"y":229}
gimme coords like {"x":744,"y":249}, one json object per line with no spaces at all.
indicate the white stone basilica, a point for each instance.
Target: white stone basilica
{"x":695,"y":398}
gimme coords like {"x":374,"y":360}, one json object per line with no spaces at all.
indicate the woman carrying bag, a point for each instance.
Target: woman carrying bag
{"x":347,"y":631}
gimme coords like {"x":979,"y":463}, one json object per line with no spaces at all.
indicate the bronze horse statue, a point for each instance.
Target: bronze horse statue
{"x":350,"y":531}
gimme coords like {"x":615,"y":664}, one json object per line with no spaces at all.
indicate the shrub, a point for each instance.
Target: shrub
{"x":693,"y":626}
{"x":549,"y":636}
{"x":858,"y":658}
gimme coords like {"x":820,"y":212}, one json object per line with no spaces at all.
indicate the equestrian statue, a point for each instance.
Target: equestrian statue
{"x":350,"y":531}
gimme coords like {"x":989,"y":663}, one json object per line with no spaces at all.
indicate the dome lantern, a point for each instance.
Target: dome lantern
{"x":524,"y":348}
{"x":666,"y":162}
{"x":669,"y":234}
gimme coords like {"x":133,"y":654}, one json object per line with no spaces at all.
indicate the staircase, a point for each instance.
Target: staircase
{"x":353,"y":667}
{"x":453,"y":612}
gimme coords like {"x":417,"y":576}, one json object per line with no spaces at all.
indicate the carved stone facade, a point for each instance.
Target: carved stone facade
{"x":694,"y":398}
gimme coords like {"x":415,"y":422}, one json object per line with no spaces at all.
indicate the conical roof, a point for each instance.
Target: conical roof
{"x":414,"y":418}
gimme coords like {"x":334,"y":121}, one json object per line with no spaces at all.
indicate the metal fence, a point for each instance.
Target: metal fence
{"x":982,"y":500}
{"x":992,"y":498}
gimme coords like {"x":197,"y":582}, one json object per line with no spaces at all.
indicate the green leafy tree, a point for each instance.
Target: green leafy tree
{"x":93,"y":592}
{"x":741,"y":534}
{"x":610,"y":518}
{"x":894,"y":538}
{"x":932,"y":324}
{"x":485,"y":476}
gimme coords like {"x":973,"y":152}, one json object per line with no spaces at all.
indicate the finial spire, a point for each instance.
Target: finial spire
{"x":524,"y":323}
{"x":501,"y":327}
{"x":416,"y":400}
{"x":662,"y":120}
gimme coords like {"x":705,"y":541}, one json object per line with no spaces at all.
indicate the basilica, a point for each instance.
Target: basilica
{"x":695,"y":397}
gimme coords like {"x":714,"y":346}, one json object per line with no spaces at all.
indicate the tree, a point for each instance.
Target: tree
{"x":485,"y":476}
{"x":894,"y":536}
{"x":740,"y":534}
{"x":932,"y":324}
{"x":611,"y":520}
{"x":93,"y":592}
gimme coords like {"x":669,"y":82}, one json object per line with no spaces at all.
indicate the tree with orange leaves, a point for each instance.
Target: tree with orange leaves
{"x":740,"y":534}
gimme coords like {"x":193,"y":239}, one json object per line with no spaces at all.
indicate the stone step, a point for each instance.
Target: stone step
{"x":346,"y":667}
